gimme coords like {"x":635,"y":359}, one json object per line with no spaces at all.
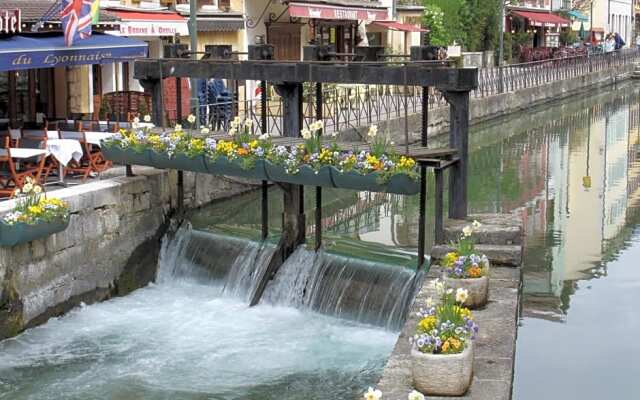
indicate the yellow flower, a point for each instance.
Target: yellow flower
{"x":406,"y":162}
{"x":427,"y":324}
{"x":449,"y":259}
{"x":475,"y":272}
{"x":372,"y":161}
{"x":463,"y":312}
{"x":253,"y":144}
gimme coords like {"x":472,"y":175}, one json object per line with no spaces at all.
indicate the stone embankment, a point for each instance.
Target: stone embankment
{"x":110,"y":247}
{"x":496,"y":343}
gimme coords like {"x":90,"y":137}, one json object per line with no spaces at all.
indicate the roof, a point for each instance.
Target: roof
{"x":33,"y":10}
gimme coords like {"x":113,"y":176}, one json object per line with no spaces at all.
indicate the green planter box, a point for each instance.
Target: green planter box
{"x":195,"y":164}
{"x":125,"y":156}
{"x":160,"y":160}
{"x":18,"y":233}
{"x":399,"y":184}
{"x":305,"y":176}
{"x":223,"y":166}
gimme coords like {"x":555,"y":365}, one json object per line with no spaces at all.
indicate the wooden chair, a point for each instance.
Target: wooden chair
{"x":12,"y":176}
{"x":92,"y":161}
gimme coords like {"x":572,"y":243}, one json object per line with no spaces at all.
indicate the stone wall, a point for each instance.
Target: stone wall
{"x":110,"y":247}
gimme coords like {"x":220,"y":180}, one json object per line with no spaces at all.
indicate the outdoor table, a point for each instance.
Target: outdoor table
{"x":90,"y":137}
{"x":40,"y":133}
{"x":20,"y":153}
{"x":64,"y":150}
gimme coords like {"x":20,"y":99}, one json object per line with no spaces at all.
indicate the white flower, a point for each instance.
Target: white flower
{"x":415,"y":395}
{"x":147,"y":118}
{"x":204,"y":130}
{"x":439,"y":285}
{"x":462,"y":295}
{"x":178,"y":127}
{"x":27,"y":187}
{"x":476,"y":224}
{"x":191,"y":118}
{"x":136,"y":120}
{"x":233,"y":131}
{"x":264,"y":136}
{"x":236,"y":122}
{"x":372,"y":394}
{"x":429,"y":302}
{"x":37,"y":189}
{"x":316,"y":126}
{"x":248,"y":123}
{"x":373,"y":131}
{"x":306,"y":133}
{"x":449,"y":291}
{"x":467,"y":231}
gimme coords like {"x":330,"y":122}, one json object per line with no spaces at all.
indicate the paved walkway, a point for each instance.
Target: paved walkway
{"x":495,"y":345}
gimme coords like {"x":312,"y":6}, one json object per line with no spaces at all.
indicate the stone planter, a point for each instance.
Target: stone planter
{"x":400,"y":184}
{"x":18,"y":233}
{"x":442,"y":374}
{"x":305,"y":176}
{"x":478,"y":289}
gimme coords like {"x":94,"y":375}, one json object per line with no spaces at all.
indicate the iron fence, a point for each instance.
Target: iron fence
{"x":353,"y":106}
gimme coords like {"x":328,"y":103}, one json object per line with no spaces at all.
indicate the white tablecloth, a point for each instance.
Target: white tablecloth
{"x":91,"y":137}
{"x":23,"y":153}
{"x":64,"y":150}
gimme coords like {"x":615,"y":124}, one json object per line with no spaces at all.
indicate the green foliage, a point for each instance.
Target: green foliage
{"x":568,"y":37}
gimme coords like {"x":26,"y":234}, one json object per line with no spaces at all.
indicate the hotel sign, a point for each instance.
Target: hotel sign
{"x":10,"y":21}
{"x":153,"y":28}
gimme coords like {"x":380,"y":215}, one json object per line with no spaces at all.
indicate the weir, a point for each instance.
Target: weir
{"x":368,"y":292}
{"x":288,"y":79}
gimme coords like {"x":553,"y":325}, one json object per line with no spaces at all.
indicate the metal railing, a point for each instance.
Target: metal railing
{"x":353,"y":106}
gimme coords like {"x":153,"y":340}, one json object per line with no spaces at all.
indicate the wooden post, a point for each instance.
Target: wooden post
{"x":318,"y":223}
{"x":439,"y":206}
{"x":265,"y":188}
{"x":458,"y":139}
{"x":293,"y":229}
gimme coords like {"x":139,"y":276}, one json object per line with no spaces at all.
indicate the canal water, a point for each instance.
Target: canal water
{"x":570,"y":170}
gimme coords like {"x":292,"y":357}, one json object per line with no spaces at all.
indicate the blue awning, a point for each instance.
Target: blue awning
{"x":575,"y":14}
{"x":29,"y":52}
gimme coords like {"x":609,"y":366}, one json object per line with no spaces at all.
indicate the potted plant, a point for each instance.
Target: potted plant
{"x":307,"y":164}
{"x":34,"y":216}
{"x":442,"y":347}
{"x":128,"y":146}
{"x":463,"y":268}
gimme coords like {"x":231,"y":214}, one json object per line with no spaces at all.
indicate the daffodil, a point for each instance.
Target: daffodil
{"x":415,"y":395}
{"x":476,"y":224}
{"x":462,"y":295}
{"x":37,"y":189}
{"x":467,"y":231}
{"x":191,"y":118}
{"x":373,"y":394}
{"x":306,"y":134}
{"x":178,"y":128}
{"x":204,"y":130}
{"x":136,"y":120}
{"x":373,"y":131}
{"x":147,"y":118}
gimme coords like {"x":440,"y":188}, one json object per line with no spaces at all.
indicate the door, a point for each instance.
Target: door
{"x":286,"y":41}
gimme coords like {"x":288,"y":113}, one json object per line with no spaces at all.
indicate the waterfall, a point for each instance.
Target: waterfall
{"x":364,"y":291}
{"x":230,"y":264}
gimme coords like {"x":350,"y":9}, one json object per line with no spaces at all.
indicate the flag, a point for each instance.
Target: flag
{"x":76,"y":20}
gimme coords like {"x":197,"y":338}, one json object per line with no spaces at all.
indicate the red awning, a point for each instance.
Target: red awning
{"x":325,"y":11}
{"x":397,"y":26}
{"x":166,"y":23}
{"x":543,"y":18}
{"x":147,"y":16}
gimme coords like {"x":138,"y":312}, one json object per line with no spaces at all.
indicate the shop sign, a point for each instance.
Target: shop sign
{"x":337,"y":13}
{"x":10,"y":21}
{"x":146,"y":28}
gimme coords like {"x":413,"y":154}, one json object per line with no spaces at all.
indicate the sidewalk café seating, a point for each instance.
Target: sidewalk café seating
{"x":13,"y":171}
{"x":92,"y":160}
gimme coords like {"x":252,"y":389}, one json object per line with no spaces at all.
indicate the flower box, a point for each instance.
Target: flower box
{"x":18,"y":233}
{"x":160,"y":160}
{"x":125,"y":156}
{"x":442,"y":374}
{"x":305,"y":176}
{"x":478,"y":289}
{"x":186,"y":163}
{"x":223,"y":166}
{"x":400,"y":183}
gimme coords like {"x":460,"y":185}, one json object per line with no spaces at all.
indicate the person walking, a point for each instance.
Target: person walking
{"x":609,"y":44}
{"x":619,"y":42}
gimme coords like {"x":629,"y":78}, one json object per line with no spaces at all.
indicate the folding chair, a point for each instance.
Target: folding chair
{"x":13,"y":176}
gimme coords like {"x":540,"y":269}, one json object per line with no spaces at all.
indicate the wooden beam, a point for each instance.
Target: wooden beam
{"x":412,"y":73}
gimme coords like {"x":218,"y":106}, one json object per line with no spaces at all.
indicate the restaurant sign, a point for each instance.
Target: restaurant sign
{"x":153,"y":28}
{"x":10,"y":21}
{"x":336,"y":12}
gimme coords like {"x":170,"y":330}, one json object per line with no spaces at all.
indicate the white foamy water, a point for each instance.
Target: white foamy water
{"x":185,"y":338}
